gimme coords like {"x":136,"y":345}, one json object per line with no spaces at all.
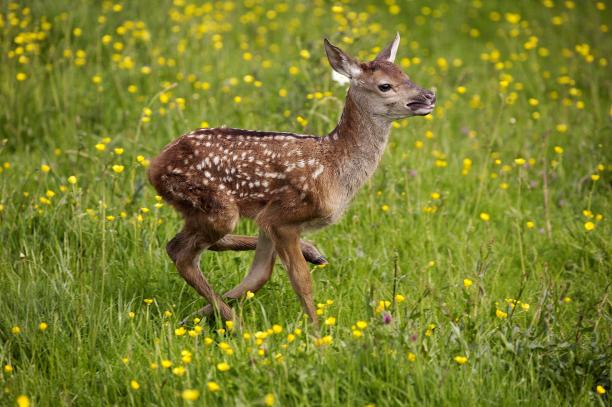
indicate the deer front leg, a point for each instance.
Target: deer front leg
{"x":241,"y":243}
{"x":258,"y":275}
{"x":286,"y":241}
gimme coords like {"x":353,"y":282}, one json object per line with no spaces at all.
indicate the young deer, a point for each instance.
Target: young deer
{"x":288,"y":183}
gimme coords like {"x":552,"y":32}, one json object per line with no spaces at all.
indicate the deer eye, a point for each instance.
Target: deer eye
{"x":385,"y":87}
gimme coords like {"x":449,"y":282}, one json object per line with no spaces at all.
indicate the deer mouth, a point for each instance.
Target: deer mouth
{"x":421,"y":108}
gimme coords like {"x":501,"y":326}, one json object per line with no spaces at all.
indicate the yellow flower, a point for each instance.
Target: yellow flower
{"x":179,"y":371}
{"x":118,"y":150}
{"x":485,"y":216}
{"x":462,"y":360}
{"x":8,"y":368}
{"x":166,"y":364}
{"x":589,"y":226}
{"x":72,"y":179}
{"x":357,"y":333}
{"x":330,"y":321}
{"x":467,"y":282}
{"x":501,"y":314}
{"x":15,"y":330}
{"x":411,"y":357}
{"x":23,"y":401}
{"x":567,"y":300}
{"x":435,"y":195}
{"x":558,"y":149}
{"x":213,"y":387}
{"x":21,"y":76}
{"x":269,"y":400}
{"x":223,"y":367}
{"x":118,"y":169}
{"x":131,"y":314}
{"x":100,"y":147}
{"x":96,"y":79}
{"x":600,"y":389}
{"x":277,"y":328}
{"x":362,"y":324}
{"x":43,"y":326}
{"x":525,"y":306}
{"x":249,"y":295}
{"x":399,"y":298}
{"x":294,"y":70}
{"x":561,"y":127}
{"x":180,"y":331}
{"x":530,"y":224}
{"x":148,"y":301}
{"x":134,"y":385}
{"x":45,"y":168}
{"x":519,"y":161}
{"x":190,"y":394}
{"x":595,"y":177}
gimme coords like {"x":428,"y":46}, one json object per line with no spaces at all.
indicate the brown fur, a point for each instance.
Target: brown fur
{"x":286,"y":182}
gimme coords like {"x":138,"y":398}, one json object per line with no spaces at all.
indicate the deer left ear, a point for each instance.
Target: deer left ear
{"x":388,"y":54}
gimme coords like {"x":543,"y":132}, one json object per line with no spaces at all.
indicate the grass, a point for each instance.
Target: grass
{"x":489,"y":219}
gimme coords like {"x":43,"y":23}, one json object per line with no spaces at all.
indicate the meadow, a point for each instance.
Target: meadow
{"x":474,"y":268}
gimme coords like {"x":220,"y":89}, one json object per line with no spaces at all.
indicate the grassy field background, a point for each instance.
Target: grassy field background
{"x":473,"y":269}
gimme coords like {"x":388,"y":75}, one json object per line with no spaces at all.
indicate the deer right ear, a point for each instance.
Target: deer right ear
{"x":341,"y":62}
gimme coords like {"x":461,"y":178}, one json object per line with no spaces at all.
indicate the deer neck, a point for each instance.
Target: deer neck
{"x":358,"y":143}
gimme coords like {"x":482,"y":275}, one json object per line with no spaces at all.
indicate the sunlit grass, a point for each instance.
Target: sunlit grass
{"x":474,"y":268}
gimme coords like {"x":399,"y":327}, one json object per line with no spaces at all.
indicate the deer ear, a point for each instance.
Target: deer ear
{"x":388,"y":54}
{"x":341,"y":62}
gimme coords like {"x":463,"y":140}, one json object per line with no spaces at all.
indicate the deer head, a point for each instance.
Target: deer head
{"x":380,"y":86}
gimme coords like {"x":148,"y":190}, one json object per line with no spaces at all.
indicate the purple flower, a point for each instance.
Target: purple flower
{"x":387,"y":318}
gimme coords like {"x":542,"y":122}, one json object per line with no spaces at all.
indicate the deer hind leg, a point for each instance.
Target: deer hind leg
{"x":286,"y":241}
{"x":258,"y":275}
{"x":185,"y":248}
{"x":240,"y":243}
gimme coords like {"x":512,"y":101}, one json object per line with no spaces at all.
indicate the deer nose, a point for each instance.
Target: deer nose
{"x":430,"y":97}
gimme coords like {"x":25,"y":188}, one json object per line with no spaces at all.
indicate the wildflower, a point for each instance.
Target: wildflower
{"x":223,"y":367}
{"x":595,"y":177}
{"x":330,"y":321}
{"x":519,"y":161}
{"x":485,"y":216}
{"x":45,"y":168}
{"x":118,"y":169}
{"x":190,"y":394}
{"x":362,"y":324}
{"x":467,"y":282}
{"x":411,"y":357}
{"x":326,"y":340}
{"x":213,"y":387}
{"x":148,"y":301}
{"x":23,"y":401}
{"x":15,"y":330}
{"x":561,"y":127}
{"x":501,"y":314}
{"x":8,"y":368}
{"x":229,"y":325}
{"x":387,"y":319}
{"x":131,"y":314}
{"x":269,"y":400}
{"x":100,"y":147}
{"x":72,"y":179}
{"x":180,"y":331}
{"x":525,"y":306}
{"x":589,"y":226}
{"x":462,"y":360}
{"x":600,"y":390}
{"x":357,"y":333}
{"x":134,"y":385}
{"x":399,"y":298}
{"x":567,"y":300}
{"x":249,"y":295}
{"x":558,"y":149}
{"x":435,"y":195}
{"x":43,"y":326}
{"x":153,"y":365}
{"x":277,"y":328}
{"x":179,"y":371}
{"x":166,"y":364}
{"x":530,"y":224}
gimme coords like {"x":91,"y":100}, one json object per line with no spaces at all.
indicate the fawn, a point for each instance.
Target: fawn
{"x":287,"y":183}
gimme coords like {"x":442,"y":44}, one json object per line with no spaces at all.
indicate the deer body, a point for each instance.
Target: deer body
{"x":286,"y":182}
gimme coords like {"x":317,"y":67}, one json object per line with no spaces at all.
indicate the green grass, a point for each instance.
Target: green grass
{"x":63,"y":263}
